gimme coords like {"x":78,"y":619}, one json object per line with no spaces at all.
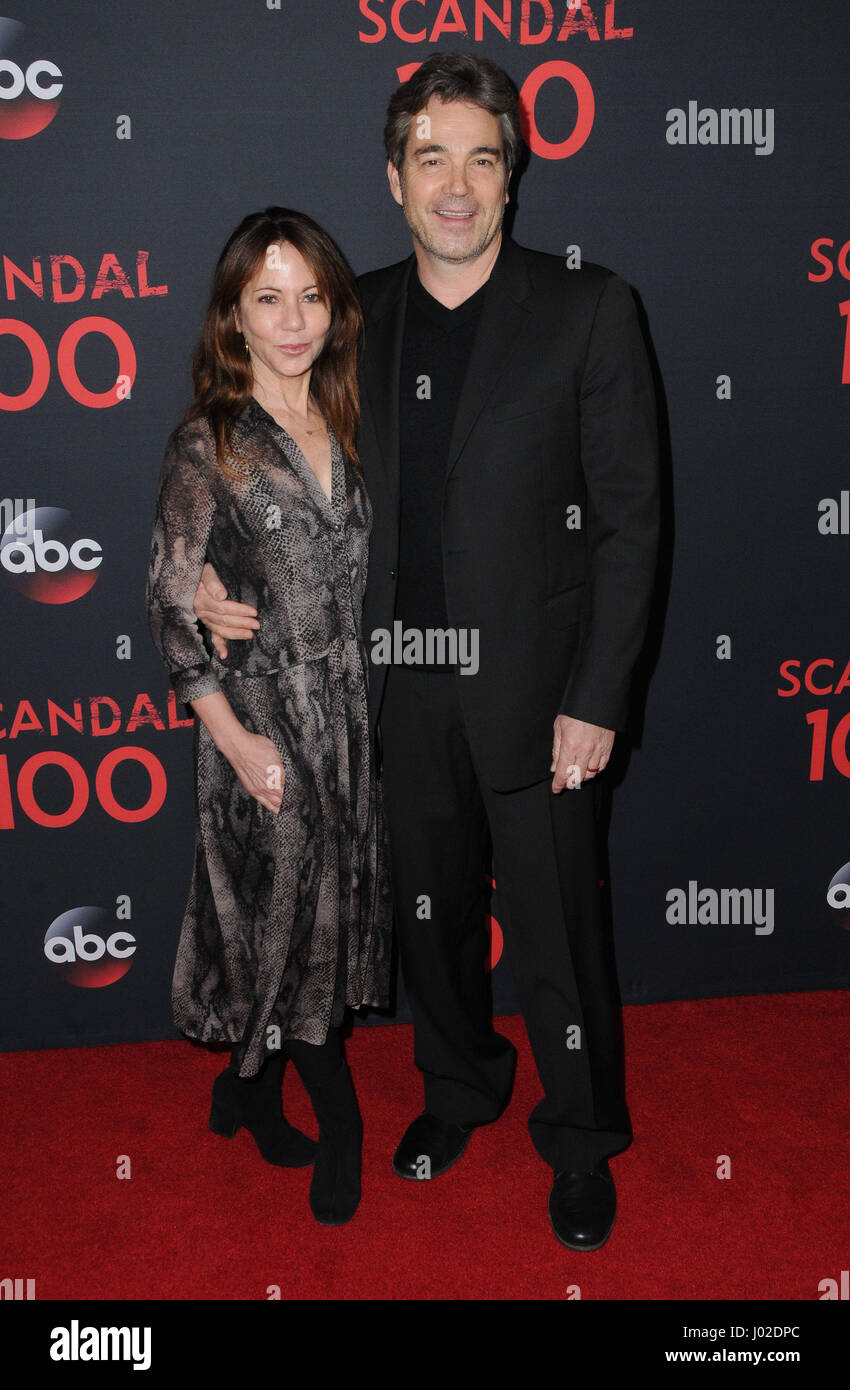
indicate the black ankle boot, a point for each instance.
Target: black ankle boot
{"x":335,"y":1188}
{"x":255,"y":1103}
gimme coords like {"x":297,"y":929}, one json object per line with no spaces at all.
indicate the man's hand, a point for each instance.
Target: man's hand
{"x":227,"y":620}
{"x":579,"y":751}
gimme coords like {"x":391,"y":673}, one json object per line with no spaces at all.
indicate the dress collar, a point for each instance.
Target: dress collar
{"x":255,"y":416}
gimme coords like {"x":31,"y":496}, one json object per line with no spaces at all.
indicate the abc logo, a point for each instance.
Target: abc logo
{"x":838,"y":895}
{"x":86,"y":949}
{"x":43,"y":558}
{"x":30,"y":85}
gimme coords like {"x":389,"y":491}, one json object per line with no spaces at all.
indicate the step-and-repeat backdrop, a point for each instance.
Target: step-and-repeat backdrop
{"x":700,"y":151}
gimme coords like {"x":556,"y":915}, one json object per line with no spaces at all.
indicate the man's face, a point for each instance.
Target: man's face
{"x":452,"y":185}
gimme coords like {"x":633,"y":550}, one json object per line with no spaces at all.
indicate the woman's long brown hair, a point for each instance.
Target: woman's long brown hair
{"x":221,"y":370}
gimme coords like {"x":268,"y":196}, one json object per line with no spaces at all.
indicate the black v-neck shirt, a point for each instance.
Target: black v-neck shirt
{"x":435,"y":354}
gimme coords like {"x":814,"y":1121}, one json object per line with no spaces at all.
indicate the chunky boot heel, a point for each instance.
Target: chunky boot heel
{"x":222,"y":1120}
{"x":255,"y":1104}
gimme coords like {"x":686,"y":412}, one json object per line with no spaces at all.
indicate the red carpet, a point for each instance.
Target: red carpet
{"x":761,"y":1079}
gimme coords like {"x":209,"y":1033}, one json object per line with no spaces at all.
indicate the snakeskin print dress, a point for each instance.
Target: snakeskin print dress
{"x":289,"y":915}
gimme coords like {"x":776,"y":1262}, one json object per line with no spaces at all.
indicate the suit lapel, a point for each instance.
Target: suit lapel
{"x":502,"y":317}
{"x":382,"y":368}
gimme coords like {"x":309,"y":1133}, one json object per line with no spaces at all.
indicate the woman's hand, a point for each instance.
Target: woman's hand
{"x":257,"y":764}
{"x":253,"y":757}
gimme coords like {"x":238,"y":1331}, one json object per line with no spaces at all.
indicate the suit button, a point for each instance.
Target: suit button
{"x":392,"y":574}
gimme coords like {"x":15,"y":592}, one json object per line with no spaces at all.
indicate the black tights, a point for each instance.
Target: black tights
{"x":316,"y":1063}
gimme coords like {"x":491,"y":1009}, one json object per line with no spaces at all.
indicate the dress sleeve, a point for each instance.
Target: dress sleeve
{"x":184,"y":516}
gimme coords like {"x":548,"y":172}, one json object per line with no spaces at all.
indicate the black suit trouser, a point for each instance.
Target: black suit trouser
{"x":444,"y":824}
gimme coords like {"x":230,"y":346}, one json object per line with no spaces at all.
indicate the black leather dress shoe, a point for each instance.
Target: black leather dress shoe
{"x":582,"y":1207}
{"x":430,"y":1146}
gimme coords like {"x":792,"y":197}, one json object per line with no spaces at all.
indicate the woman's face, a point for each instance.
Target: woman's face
{"x":282,"y":316}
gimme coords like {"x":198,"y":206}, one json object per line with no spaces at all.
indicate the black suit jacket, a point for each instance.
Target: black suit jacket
{"x":557,"y":410}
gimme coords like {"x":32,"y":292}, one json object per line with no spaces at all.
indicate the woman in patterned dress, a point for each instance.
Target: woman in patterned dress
{"x":289,"y":918}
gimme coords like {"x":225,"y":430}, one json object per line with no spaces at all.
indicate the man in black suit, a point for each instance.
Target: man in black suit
{"x":508,"y":441}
